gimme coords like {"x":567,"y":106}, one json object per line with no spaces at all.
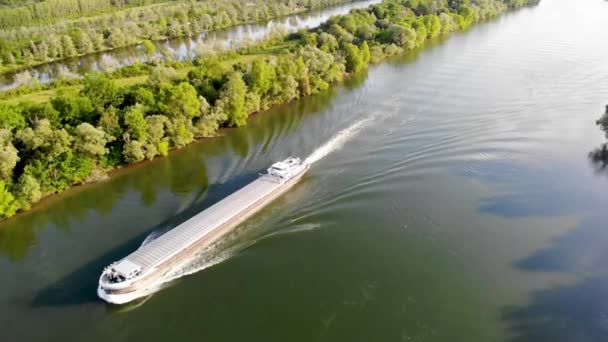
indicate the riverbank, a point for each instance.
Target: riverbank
{"x":51,"y":146}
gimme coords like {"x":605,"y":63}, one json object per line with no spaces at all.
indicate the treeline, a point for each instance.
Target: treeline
{"x":76,"y":137}
{"x":26,"y":45}
{"x":51,"y":10}
{"x":15,"y":3}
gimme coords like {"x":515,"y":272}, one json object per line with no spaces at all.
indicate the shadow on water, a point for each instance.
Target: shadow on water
{"x":568,"y":313}
{"x":183,"y":173}
{"x":79,"y":286}
{"x":238,"y":157}
{"x":533,"y":191}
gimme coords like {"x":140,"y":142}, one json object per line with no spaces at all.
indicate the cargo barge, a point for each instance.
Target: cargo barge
{"x":123,"y":280}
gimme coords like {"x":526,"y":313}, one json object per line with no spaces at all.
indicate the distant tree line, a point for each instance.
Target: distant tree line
{"x":52,"y":10}
{"x":24,"y":44}
{"x":77,"y":136}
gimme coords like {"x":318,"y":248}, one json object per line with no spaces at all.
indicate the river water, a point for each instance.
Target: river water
{"x":455,"y":202}
{"x":181,"y":48}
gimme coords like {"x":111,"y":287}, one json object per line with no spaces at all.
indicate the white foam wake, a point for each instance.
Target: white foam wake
{"x":337,"y":141}
{"x":209,"y":258}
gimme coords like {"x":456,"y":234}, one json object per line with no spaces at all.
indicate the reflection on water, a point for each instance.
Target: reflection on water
{"x":572,"y":312}
{"x":183,"y":173}
{"x":182,"y":48}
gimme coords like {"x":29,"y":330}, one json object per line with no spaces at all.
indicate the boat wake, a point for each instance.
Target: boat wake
{"x":216,"y":254}
{"x":337,"y":141}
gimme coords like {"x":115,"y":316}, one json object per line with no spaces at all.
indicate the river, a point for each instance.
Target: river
{"x":180,"y":48}
{"x":454,"y":202}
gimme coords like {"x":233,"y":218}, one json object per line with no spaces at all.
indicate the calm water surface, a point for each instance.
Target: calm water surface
{"x":464,"y":209}
{"x":181,"y":48}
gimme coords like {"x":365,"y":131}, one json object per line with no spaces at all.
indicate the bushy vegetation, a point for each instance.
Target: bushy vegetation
{"x":36,"y":33}
{"x":45,"y":148}
{"x":600,"y":155}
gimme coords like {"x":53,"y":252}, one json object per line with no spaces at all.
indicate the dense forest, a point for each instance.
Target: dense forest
{"x":23,"y":43}
{"x":79,"y":135}
{"x":24,"y":12}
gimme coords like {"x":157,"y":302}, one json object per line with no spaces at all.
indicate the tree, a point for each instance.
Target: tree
{"x":9,"y":156}
{"x":133,"y":151}
{"x":50,"y":158}
{"x":354,"y":59}
{"x":85,"y":45}
{"x":27,"y":191}
{"x":33,"y":113}
{"x":8,"y":205}
{"x":322,"y":69}
{"x":327,"y":42}
{"x":161,"y":75}
{"x":433,"y":25}
{"x":155,"y":142}
{"x":117,"y":38}
{"x":232,"y":100}
{"x":179,"y":101}
{"x":74,"y":109}
{"x":101,"y":91}
{"x":68,"y":48}
{"x":180,"y":131}
{"x":11,"y":117}
{"x":401,"y":36}
{"x":366,"y":54}
{"x":109,"y":122}
{"x":90,"y":140}
{"x":43,"y":138}
{"x":262,"y":76}
{"x":43,"y":52}
{"x":136,"y":123}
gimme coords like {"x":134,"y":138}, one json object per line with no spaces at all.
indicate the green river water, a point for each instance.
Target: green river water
{"x":451,"y":199}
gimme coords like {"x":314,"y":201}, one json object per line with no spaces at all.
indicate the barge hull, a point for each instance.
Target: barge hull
{"x":162,"y":268}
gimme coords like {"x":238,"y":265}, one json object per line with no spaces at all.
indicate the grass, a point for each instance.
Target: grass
{"x":46,"y":95}
{"x":43,"y":96}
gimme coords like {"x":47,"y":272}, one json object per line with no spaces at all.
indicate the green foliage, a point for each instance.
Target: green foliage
{"x":232,"y":100}
{"x":136,"y":126}
{"x":90,"y":141}
{"x":433,"y":25}
{"x":261,"y":77}
{"x":133,"y":151}
{"x":179,"y":101}
{"x":101,"y":91}
{"x":11,"y":117}
{"x":156,"y":143}
{"x":9,"y":156}
{"x":354,"y":58}
{"x":180,"y":131}
{"x":74,"y":109}
{"x":35,"y":112}
{"x":161,"y":75}
{"x":8,"y":205}
{"x":27,"y":191}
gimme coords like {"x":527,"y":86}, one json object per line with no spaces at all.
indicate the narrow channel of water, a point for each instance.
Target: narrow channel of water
{"x":465,"y":209}
{"x":181,"y":48}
